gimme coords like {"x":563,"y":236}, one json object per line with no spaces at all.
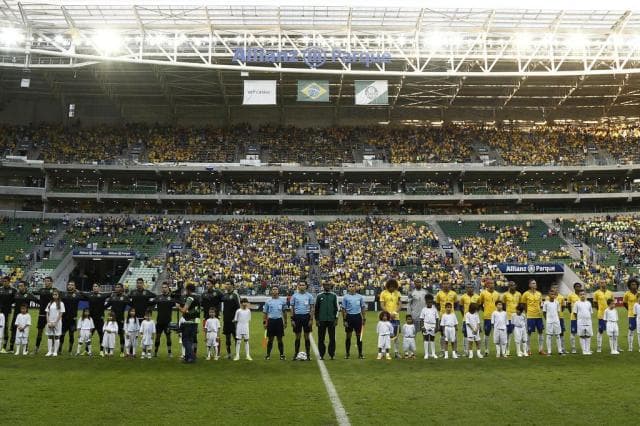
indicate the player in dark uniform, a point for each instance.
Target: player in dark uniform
{"x":70,"y":298}
{"x":165,"y":302}
{"x":7,"y":293}
{"x":44,"y":297}
{"x":118,"y":302}
{"x":211,"y":298}
{"x":141,"y":299}
{"x":97,"y":302}
{"x":22,"y":297}
{"x":230,"y":304}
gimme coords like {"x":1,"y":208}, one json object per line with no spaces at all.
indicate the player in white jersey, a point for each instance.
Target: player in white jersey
{"x":449,"y":327}
{"x":611,"y":318}
{"x":519,"y":322}
{"x":429,"y":319}
{"x":147,"y":335}
{"x":85,"y":330}
{"x":242,"y":320}
{"x":409,"y":338}
{"x":499,"y":321}
{"x":472,"y":323}
{"x":23,"y":324}
{"x":551,"y":309}
{"x":584,"y":311}
{"x":212,"y":327}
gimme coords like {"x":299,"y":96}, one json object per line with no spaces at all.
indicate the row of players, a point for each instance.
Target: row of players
{"x":528,"y":309}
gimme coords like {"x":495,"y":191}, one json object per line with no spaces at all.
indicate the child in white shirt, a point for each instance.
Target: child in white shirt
{"x":85,"y":330}
{"x":584,"y":312}
{"x":131,"y":330}
{"x":384,"y":330}
{"x":409,"y":338}
{"x":519,"y":321}
{"x":23,"y":324}
{"x":611,"y":318}
{"x":551,"y":308}
{"x":499,"y":323}
{"x":242,"y":320}
{"x":429,"y":316}
{"x":211,"y":328}
{"x":147,"y":333}
{"x":472,"y":323}
{"x":449,"y":326}
{"x":110,"y":331}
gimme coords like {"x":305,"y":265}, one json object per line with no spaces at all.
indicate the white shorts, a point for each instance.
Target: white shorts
{"x":384,"y":342}
{"x":612,"y":329}
{"x":85,"y":336}
{"x":500,"y":337}
{"x":242,"y":332}
{"x":409,"y":344}
{"x":429,"y":330}
{"x":212,"y":339}
{"x":450,"y":334}
{"x":585,"y":330}
{"x":471,"y":336}
{"x":553,"y":328}
{"x":520,"y":335}
{"x":22,"y":339}
{"x":56,"y":330}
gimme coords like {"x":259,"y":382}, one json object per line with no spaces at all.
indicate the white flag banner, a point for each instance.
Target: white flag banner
{"x":259,"y":92}
{"x":372,"y":92}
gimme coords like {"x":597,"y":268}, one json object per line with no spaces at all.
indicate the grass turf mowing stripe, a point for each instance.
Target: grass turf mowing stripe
{"x":338,"y":408}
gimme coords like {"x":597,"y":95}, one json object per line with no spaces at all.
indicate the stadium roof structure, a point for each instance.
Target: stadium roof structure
{"x":151,"y":61}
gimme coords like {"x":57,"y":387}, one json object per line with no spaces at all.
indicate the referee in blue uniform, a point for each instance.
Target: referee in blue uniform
{"x":275,"y":320}
{"x":302,"y":317}
{"x":353,"y":318}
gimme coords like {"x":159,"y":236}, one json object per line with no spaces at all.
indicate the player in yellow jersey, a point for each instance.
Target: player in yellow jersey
{"x":572,"y":298}
{"x":465,"y":301}
{"x":444,"y":296}
{"x":488,"y":298}
{"x":630,"y":298}
{"x":390,"y":302}
{"x":532,"y":299}
{"x":600,"y":297}
{"x":511,"y":300}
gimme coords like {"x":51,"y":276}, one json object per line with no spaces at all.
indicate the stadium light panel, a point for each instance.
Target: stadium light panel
{"x":11,"y":36}
{"x":107,"y":41}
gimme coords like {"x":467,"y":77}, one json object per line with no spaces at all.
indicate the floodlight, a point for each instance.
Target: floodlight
{"x":107,"y":41}
{"x":11,"y":36}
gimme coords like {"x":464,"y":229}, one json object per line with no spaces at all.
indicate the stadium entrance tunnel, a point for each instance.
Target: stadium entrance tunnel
{"x":545,"y":281}
{"x":97,"y":270}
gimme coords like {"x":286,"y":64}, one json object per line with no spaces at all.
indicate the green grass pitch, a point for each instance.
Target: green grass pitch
{"x":573,"y":389}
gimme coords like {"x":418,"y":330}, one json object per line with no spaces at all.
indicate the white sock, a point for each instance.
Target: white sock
{"x":549,"y":344}
{"x":49,"y":345}
{"x":572,"y":341}
{"x":599,"y":341}
{"x":540,"y":342}
{"x":614,"y":343}
{"x":561,"y":343}
{"x":56,"y":345}
{"x":486,"y":343}
{"x":426,"y":348}
{"x":433,"y":348}
{"x":238,"y":347}
{"x":508,"y":341}
{"x":465,"y":345}
{"x":528,"y":344}
{"x":497,"y":350}
{"x":630,"y":340}
{"x":246,"y":347}
{"x":503,"y":348}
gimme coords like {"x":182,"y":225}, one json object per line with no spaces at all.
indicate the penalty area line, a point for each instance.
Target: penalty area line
{"x":338,"y":408}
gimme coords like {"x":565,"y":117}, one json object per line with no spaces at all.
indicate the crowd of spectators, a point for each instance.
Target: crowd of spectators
{"x":311,"y":188}
{"x":253,"y":254}
{"x":450,"y":143}
{"x":370,"y":251}
{"x":192,"y":188}
{"x":252,"y":188}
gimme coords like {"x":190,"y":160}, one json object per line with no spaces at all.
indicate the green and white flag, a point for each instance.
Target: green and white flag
{"x":372,"y":92}
{"x":313,"y":91}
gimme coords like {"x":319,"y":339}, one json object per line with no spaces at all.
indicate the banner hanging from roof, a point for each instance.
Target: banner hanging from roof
{"x":259,"y":92}
{"x":372,"y":92}
{"x":313,"y":91}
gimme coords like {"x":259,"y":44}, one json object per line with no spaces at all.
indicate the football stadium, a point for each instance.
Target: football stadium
{"x":420,"y":213}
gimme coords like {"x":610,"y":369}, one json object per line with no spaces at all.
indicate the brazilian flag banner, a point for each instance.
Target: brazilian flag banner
{"x":313,"y":91}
